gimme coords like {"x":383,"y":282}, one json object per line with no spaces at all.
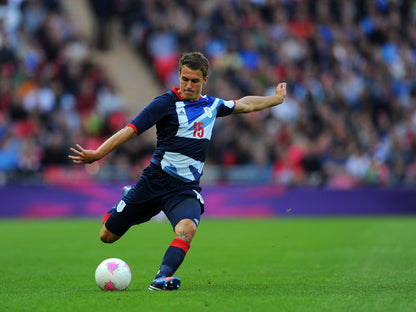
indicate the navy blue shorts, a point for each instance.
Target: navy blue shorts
{"x":156,"y":191}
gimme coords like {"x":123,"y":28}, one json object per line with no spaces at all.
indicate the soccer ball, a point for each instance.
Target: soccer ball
{"x":113,"y":274}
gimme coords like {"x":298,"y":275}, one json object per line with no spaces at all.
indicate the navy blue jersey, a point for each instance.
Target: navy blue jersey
{"x":183,"y":131}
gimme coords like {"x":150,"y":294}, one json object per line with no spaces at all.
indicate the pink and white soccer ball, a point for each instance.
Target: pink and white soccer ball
{"x":113,"y":274}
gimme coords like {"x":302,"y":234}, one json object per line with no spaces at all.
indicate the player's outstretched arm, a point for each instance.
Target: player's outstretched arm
{"x":252,"y":103}
{"x":84,"y":156}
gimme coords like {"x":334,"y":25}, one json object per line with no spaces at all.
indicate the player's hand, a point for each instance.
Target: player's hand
{"x":83,"y":156}
{"x":281,"y":91}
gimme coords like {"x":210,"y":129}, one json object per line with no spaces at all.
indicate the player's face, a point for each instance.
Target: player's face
{"x":191,"y":83}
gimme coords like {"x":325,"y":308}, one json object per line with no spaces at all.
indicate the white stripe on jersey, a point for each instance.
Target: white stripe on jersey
{"x":179,"y":165}
{"x":206,"y":116}
{"x":180,"y":111}
{"x":229,"y":104}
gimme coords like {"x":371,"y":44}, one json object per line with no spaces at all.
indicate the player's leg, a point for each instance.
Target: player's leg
{"x":127,"y":213}
{"x":184,"y":218}
{"x":177,"y":250}
{"x":186,"y":230}
{"x":105,"y":235}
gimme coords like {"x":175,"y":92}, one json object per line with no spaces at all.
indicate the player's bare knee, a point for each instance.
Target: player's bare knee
{"x":185,"y":230}
{"x":107,"y":237}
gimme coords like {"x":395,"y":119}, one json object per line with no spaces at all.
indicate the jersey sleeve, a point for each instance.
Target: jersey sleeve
{"x":149,"y":116}
{"x":225,"y":108}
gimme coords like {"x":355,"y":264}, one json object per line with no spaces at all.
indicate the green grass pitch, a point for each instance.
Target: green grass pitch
{"x":294,"y":264}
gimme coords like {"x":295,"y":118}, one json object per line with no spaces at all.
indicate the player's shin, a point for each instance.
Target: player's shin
{"x":173,"y":257}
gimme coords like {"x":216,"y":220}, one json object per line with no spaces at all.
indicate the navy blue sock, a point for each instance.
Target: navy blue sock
{"x":173,"y":258}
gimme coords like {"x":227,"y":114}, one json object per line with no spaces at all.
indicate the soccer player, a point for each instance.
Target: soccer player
{"x":184,"y":121}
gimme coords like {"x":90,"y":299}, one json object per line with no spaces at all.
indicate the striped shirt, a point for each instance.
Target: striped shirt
{"x":183,"y":129}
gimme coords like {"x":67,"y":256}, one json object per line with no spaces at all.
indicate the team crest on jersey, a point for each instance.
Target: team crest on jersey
{"x":208,"y":111}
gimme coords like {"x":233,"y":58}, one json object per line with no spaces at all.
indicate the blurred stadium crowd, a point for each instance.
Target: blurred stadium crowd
{"x":52,"y":93}
{"x":349,"y":118}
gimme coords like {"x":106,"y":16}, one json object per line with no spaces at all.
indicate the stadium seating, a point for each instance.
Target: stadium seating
{"x":349,"y":118}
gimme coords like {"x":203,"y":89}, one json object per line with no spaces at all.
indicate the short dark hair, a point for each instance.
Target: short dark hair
{"x":195,"y":61}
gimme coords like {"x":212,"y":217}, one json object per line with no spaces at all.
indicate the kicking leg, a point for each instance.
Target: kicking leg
{"x":106,"y":236}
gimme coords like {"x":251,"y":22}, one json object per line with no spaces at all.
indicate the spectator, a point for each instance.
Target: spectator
{"x":51,"y":92}
{"x":350,"y":67}
{"x":103,"y":11}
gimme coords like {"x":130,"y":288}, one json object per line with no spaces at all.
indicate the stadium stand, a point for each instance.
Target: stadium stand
{"x":349,"y":119}
{"x":53,"y":94}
